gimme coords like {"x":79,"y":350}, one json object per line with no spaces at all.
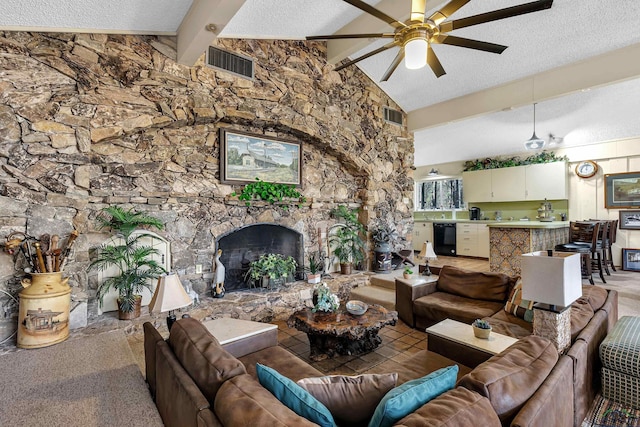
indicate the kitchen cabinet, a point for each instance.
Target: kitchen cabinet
{"x":422,"y":232}
{"x":531,"y":182}
{"x":472,"y":239}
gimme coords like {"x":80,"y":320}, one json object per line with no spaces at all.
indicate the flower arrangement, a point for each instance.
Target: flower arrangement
{"x":325,"y":301}
{"x":481,"y":324}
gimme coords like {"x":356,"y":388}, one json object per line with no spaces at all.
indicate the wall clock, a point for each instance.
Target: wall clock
{"x":586,"y":169}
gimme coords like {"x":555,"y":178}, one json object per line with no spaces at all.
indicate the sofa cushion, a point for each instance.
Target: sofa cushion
{"x":202,"y":356}
{"x":510,"y":378}
{"x":474,"y":284}
{"x":294,"y":397}
{"x":351,"y":399}
{"x":581,"y":314}
{"x":441,"y":305}
{"x":459,"y":407}
{"x":242,"y":401}
{"x":282,"y":361}
{"x":403,"y":400}
{"x":517,"y":306}
{"x":595,"y":295}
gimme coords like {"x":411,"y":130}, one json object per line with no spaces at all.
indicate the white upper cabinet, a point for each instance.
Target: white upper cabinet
{"x":531,"y":182}
{"x":547,"y":181}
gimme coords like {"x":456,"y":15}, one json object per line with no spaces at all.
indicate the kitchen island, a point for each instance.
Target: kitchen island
{"x":509,"y":240}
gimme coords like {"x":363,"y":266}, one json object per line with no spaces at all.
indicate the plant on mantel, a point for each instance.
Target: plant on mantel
{"x":498,"y":163}
{"x":270,"y":192}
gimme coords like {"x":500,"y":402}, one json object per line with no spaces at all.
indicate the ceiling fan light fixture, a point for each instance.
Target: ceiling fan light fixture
{"x":415,"y":53}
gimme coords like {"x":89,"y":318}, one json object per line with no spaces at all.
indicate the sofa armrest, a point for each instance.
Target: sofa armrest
{"x":407,"y":291}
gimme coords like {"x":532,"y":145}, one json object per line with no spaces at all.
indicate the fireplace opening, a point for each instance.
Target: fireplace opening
{"x":246,"y":244}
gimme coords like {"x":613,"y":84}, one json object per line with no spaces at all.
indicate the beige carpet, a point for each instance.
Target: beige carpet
{"x":85,"y":381}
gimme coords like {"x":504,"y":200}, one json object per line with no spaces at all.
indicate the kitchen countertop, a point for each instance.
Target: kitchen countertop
{"x":502,"y":224}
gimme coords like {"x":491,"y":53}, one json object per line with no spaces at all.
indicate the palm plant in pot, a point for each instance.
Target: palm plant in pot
{"x":132,"y":259}
{"x":346,"y":243}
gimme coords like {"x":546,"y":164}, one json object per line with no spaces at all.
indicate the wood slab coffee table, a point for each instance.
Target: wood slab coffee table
{"x":340,"y":332}
{"x":456,"y":341}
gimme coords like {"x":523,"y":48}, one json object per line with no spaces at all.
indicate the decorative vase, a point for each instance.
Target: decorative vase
{"x":481,"y":333}
{"x":129,"y":315}
{"x":406,"y":276}
{"x":383,"y":257}
{"x":43,"y":317}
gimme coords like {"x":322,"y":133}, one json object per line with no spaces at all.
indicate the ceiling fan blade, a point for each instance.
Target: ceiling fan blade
{"x":417,"y":10}
{"x":495,"y":15}
{"x":448,"y":10}
{"x":434,"y":63}
{"x":375,"y":12}
{"x":396,"y":61}
{"x":366,"y":55}
{"x":470,"y":44}
{"x":352,"y":36}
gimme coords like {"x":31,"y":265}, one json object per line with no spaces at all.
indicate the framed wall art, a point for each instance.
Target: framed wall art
{"x":629,"y":220}
{"x":622,"y":190}
{"x":245,"y":157}
{"x":631,"y":259}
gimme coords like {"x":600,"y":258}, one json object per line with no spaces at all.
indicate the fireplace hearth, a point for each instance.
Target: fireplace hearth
{"x":246,"y":244}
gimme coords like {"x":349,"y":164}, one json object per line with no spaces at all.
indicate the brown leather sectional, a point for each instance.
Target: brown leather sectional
{"x":195,"y":382}
{"x":467,"y":295}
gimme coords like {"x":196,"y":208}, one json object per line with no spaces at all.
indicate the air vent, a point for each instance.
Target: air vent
{"x":393,"y":116}
{"x":231,"y":62}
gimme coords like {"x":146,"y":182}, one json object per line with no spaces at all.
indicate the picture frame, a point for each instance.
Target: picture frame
{"x":631,"y":259}
{"x":246,"y":156}
{"x":622,"y":190}
{"x":629,"y":220}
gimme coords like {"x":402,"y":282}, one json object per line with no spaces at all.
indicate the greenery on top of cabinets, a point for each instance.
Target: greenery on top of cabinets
{"x":497,"y":163}
{"x":270,"y":192}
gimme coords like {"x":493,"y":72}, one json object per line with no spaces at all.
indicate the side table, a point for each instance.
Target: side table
{"x":241,"y":337}
{"x":341,"y":332}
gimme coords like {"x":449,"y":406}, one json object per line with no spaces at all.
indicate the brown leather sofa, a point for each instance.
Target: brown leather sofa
{"x":195,"y":382}
{"x":452,"y":296}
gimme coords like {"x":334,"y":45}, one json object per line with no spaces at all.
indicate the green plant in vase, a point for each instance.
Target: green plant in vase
{"x":136,"y":268}
{"x":346,"y":243}
{"x":314,"y":268}
{"x":324,"y":299}
{"x":273,"y":267}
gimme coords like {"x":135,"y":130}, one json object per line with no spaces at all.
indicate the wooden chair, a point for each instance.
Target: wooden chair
{"x":583,"y":239}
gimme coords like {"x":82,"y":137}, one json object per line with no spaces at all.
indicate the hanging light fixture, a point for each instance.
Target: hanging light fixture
{"x":534,"y":143}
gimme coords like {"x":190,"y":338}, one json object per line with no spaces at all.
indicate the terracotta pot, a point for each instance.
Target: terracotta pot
{"x":481,"y":333}
{"x":406,"y":276}
{"x":346,"y":268}
{"x":128,"y":315}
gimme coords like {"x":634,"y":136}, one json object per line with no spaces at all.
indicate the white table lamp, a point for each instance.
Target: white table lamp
{"x":553,"y":280}
{"x":169,"y":296}
{"x":427,"y":253}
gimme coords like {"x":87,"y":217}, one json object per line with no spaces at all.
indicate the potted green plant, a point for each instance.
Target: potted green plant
{"x":136,"y":268}
{"x":346,"y":243}
{"x":407,"y":273}
{"x":275,"y":269}
{"x":314,"y":268}
{"x":481,"y":329}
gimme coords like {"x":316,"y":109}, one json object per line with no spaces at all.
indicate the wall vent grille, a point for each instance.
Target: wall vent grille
{"x":231,"y":62}
{"x":393,"y":116}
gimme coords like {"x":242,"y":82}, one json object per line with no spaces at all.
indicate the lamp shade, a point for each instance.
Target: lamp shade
{"x":554,"y":280}
{"x":169,"y":295}
{"x":427,"y":251}
{"x":415,"y":53}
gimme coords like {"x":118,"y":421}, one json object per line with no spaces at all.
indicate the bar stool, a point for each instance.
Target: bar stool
{"x":583,"y":238}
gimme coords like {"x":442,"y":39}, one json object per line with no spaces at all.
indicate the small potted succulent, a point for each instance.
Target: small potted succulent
{"x":481,"y":329}
{"x":407,"y":273}
{"x":314,"y":268}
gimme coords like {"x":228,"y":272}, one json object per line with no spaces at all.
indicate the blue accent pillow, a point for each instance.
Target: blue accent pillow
{"x":294,"y":397}
{"x":403,"y":400}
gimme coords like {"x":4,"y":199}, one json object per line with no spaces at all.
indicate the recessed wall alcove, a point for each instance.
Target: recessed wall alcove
{"x":246,"y":244}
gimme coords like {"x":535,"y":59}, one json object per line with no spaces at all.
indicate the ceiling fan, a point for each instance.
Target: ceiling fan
{"x":416,"y":35}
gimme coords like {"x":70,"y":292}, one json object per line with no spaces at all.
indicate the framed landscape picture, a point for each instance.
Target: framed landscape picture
{"x":622,"y":190}
{"x":631,"y":259}
{"x":245,"y":157}
{"x":629,"y":220}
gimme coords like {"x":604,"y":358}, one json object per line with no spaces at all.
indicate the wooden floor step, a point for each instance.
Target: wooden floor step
{"x":375,"y":295}
{"x":387,"y":281}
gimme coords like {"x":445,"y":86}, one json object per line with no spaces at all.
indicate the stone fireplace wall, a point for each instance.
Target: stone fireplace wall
{"x":91,"y":120}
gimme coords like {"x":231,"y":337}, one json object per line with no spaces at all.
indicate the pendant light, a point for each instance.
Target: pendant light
{"x":534,"y":143}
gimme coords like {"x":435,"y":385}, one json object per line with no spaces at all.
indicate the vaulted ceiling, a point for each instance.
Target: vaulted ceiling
{"x":579,"y":61}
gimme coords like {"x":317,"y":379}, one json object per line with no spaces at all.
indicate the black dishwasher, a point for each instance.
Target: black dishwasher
{"x":444,"y":238}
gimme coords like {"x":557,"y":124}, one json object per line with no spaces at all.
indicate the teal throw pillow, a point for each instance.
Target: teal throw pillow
{"x":403,"y":400}
{"x":294,"y":397}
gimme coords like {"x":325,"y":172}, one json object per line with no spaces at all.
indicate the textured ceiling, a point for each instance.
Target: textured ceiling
{"x":570,"y":32}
